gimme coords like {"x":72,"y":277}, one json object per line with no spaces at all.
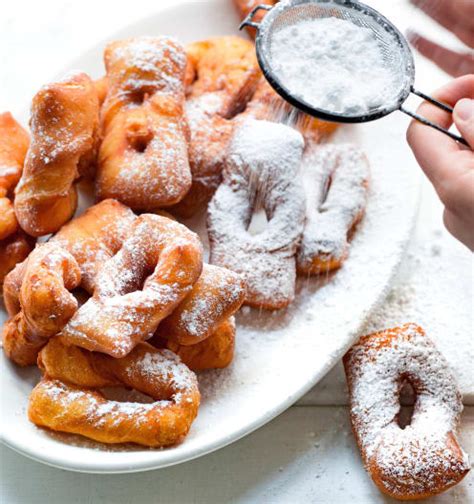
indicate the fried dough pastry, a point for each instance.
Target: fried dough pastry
{"x":153,"y":271}
{"x":336,"y":182}
{"x":143,"y":160}
{"x":101,"y":87}
{"x":45,"y":303}
{"x":64,"y":129}
{"x":14,"y":141}
{"x":215,"y":297}
{"x":262,"y":169}
{"x":423,"y":457}
{"x":221,"y":77}
{"x":67,"y":399}
{"x":14,"y":244}
{"x":215,"y":352}
{"x":13,"y":250}
{"x":92,"y":239}
{"x":95,"y":236}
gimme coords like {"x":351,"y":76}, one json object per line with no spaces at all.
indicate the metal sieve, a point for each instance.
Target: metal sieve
{"x":394,"y":47}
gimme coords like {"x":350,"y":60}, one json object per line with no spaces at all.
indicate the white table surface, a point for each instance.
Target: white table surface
{"x":308,"y":453}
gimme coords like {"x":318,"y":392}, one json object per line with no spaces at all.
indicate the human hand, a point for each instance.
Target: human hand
{"x":458,"y":17}
{"x":448,"y":164}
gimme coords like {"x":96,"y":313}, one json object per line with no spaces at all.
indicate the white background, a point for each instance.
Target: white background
{"x":307,"y":454}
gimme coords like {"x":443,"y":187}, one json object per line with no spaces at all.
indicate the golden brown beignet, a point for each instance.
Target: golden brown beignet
{"x":215,"y":352}
{"x":221,"y":77}
{"x":64,"y":136}
{"x":422,"y":458}
{"x":66,"y":398}
{"x":143,"y":159}
{"x":14,"y":141}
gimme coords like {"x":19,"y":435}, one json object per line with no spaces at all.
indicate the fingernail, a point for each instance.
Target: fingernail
{"x":464,"y":109}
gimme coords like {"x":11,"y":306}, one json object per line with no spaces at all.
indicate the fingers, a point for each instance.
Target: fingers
{"x":460,"y":229}
{"x":453,"y":63}
{"x":435,"y":152}
{"x":455,"y":15}
{"x":464,"y":119}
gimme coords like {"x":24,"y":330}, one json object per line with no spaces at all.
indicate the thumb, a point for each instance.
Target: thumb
{"x":464,"y":119}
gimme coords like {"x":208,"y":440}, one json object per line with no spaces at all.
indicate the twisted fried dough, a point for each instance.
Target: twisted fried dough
{"x":216,"y":296}
{"x":215,"y":352}
{"x":92,"y":238}
{"x":13,"y":250}
{"x":143,"y":159}
{"x":66,"y":400}
{"x":159,"y":254}
{"x":45,"y":301}
{"x":95,"y":236}
{"x":64,"y":124}
{"x":14,"y":141}
{"x":221,"y":76}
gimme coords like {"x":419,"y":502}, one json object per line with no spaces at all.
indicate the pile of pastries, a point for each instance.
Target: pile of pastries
{"x":119,"y":295}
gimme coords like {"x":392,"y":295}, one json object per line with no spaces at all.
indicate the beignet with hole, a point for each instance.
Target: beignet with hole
{"x":336,"y":182}
{"x":424,"y":458}
{"x":261,"y":171}
{"x":143,"y":158}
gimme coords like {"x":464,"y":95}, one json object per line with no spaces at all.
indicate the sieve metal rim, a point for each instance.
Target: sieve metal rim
{"x":273,"y":13}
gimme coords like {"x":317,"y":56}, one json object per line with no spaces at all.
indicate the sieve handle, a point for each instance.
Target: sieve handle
{"x":248,"y":21}
{"x":423,"y":120}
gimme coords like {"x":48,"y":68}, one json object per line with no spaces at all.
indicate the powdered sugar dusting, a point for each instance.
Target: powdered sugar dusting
{"x":422,"y":450}
{"x":336,"y":65}
{"x":262,"y":171}
{"x":335,"y":178}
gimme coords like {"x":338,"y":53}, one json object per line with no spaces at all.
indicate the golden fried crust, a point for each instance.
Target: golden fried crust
{"x":95,"y":236}
{"x":221,"y":77}
{"x":226,"y":66}
{"x":50,"y":273}
{"x":92,"y":238}
{"x":64,"y":128}
{"x":420,"y":459}
{"x":143,"y":159}
{"x":13,"y":250}
{"x":65,"y":399}
{"x":215,"y":297}
{"x":142,"y":284}
{"x":14,"y":141}
{"x":101,"y":86}
{"x":215,"y":352}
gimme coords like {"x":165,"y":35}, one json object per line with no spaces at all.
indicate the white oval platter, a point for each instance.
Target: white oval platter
{"x":279,"y":356}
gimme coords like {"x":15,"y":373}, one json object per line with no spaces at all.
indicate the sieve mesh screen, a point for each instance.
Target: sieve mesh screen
{"x":396,"y":54}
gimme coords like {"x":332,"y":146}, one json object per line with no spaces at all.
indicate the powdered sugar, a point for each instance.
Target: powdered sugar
{"x":334,"y":65}
{"x":262,"y":169}
{"x":145,"y":55}
{"x":420,"y":454}
{"x":164,"y":366}
{"x":336,"y":184}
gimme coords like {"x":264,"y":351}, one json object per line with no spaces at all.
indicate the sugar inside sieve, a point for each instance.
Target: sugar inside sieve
{"x":397,"y":58}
